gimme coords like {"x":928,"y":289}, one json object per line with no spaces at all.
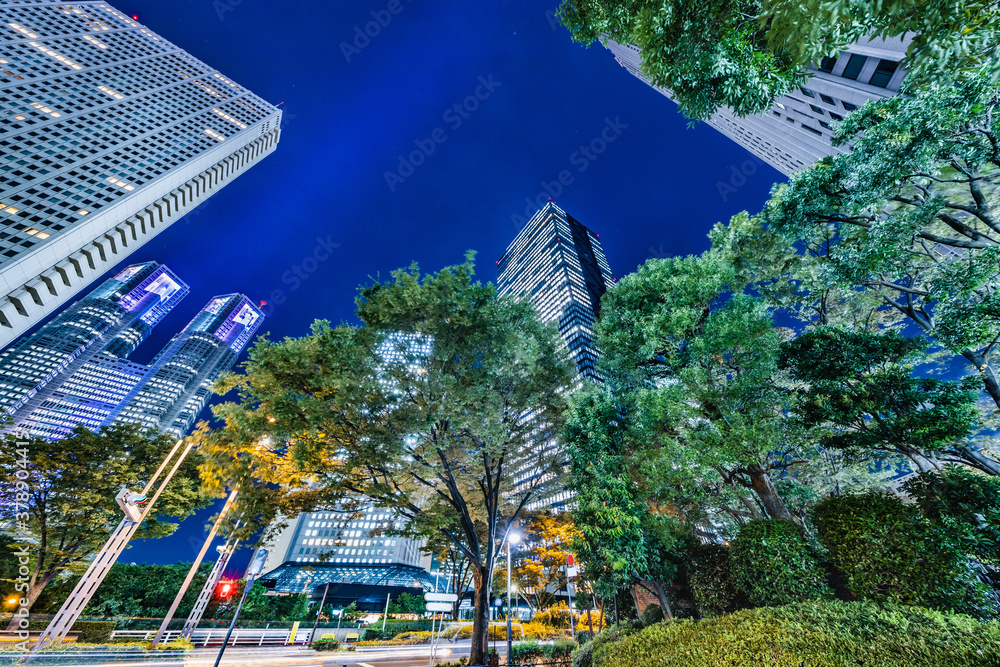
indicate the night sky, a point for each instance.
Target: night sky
{"x":655,"y":189}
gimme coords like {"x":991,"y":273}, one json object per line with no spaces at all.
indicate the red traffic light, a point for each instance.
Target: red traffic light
{"x":224,"y":589}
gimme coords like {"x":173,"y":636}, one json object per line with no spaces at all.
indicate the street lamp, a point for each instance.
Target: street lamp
{"x":512,"y":539}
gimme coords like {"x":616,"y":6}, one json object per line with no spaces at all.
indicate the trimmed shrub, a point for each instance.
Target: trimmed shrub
{"x":583,"y":656}
{"x":887,"y":551}
{"x":538,"y":631}
{"x":556,"y":616}
{"x":94,"y":632}
{"x":325,"y":645}
{"x":183,"y":645}
{"x":712,"y":582}
{"x":772,"y":564}
{"x":815,"y":633}
{"x":418,"y":636}
{"x":652,"y":614}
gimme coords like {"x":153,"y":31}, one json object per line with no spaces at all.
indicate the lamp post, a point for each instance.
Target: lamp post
{"x":512,"y":539}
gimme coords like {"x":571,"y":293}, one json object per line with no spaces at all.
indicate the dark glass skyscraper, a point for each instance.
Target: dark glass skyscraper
{"x":74,"y":370}
{"x":560,"y":265}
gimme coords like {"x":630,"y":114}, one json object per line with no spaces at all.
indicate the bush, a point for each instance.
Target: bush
{"x":887,"y":551}
{"x":583,"y":656}
{"x":497,"y":631}
{"x":535,"y":630}
{"x":184,"y":645}
{"x":712,"y":582}
{"x":531,"y":651}
{"x":556,"y":616}
{"x":772,"y":564}
{"x":423,"y":636}
{"x":325,"y":645}
{"x":652,"y":614}
{"x":817,"y":634}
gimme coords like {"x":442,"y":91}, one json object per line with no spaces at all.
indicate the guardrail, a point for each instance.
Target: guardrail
{"x":215,"y":637}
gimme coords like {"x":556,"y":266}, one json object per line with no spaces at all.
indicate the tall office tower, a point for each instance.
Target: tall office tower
{"x":797,"y":131}
{"x":110,"y":322}
{"x":74,"y":370}
{"x":560,"y":265}
{"x":177,"y":386}
{"x":110,"y":133}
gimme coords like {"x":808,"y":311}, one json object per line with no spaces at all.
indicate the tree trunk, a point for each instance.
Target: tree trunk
{"x":480,"y":624}
{"x":600,"y":619}
{"x":661,"y":596}
{"x":978,"y":460}
{"x":34,"y":590}
{"x":982,"y":365}
{"x":760,"y":482}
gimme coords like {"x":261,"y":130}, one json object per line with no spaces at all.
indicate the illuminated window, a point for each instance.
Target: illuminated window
{"x":23,"y":31}
{"x":37,"y":234}
{"x":122,"y":184}
{"x":10,"y":210}
{"x":232,"y":120}
{"x":52,"y":54}
{"x":215,"y":135}
{"x":82,"y":212}
{"x":105,"y":89}
{"x":47,"y":110}
{"x":95,"y":42}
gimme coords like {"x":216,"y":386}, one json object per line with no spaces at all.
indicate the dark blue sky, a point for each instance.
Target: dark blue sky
{"x":654,"y":190}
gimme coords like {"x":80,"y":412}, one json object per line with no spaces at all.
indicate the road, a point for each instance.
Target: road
{"x":401,"y":656}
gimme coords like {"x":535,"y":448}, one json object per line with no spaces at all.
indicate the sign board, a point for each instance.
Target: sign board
{"x":571,"y":571}
{"x":571,"y":560}
{"x":439,"y":606}
{"x":440,"y":597}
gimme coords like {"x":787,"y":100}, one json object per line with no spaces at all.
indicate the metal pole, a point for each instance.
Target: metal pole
{"x":385,"y":616}
{"x":433,"y":620}
{"x":326,"y":589}
{"x":246,"y":589}
{"x":193,"y":570}
{"x":569,"y":592}
{"x":509,"y":641}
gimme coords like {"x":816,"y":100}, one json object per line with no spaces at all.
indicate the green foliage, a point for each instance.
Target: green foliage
{"x":182,"y":645}
{"x":262,"y":607}
{"x":886,"y":551}
{"x":325,"y":645}
{"x":652,"y":614}
{"x":745,"y":54}
{"x":94,"y":632}
{"x":527,"y":652}
{"x":909,"y":213}
{"x":773,"y":564}
{"x":711,"y":581}
{"x":963,"y":504}
{"x":817,"y":634}
{"x":146,"y":590}
{"x":583,"y":656}
{"x":71,"y":504}
{"x":861,"y":383}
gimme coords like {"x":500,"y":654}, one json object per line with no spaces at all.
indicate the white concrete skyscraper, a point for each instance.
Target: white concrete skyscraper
{"x":797,"y":132}
{"x":108,"y":134}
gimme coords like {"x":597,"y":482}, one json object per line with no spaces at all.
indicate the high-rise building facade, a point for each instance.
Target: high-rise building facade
{"x":110,"y":133}
{"x":797,"y":131}
{"x":74,"y":370}
{"x":560,"y":266}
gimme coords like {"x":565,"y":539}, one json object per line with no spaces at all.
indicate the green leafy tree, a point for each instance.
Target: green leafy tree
{"x":744,"y":55}
{"x":146,"y":590}
{"x":422,"y":410}
{"x":71,"y":490}
{"x":965,"y":505}
{"x":910,"y":214}
{"x":701,"y":359}
{"x":861,"y":384}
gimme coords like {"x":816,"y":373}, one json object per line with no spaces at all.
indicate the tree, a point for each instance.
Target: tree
{"x":71,"y":488}
{"x":146,"y":590}
{"x":744,"y":55}
{"x":430,"y":408}
{"x":700,"y":358}
{"x":861,"y":384}
{"x":910,"y":214}
{"x":548,"y":540}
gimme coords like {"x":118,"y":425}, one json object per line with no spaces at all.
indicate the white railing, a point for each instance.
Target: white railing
{"x":209,"y":637}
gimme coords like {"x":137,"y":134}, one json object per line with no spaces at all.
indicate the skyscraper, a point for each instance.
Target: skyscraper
{"x":74,"y":370}
{"x":110,"y":133}
{"x":797,"y":132}
{"x":560,"y":266}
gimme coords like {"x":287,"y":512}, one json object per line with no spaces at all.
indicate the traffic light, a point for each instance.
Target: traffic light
{"x":225,"y":589}
{"x":129,"y":503}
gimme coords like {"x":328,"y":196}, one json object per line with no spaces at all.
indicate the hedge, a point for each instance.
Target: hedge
{"x":711,"y":581}
{"x":91,"y":632}
{"x":583,"y":656}
{"x":772,"y":564}
{"x":325,"y":645}
{"x":531,"y":651}
{"x":814,"y":633}
{"x":886,"y":550}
